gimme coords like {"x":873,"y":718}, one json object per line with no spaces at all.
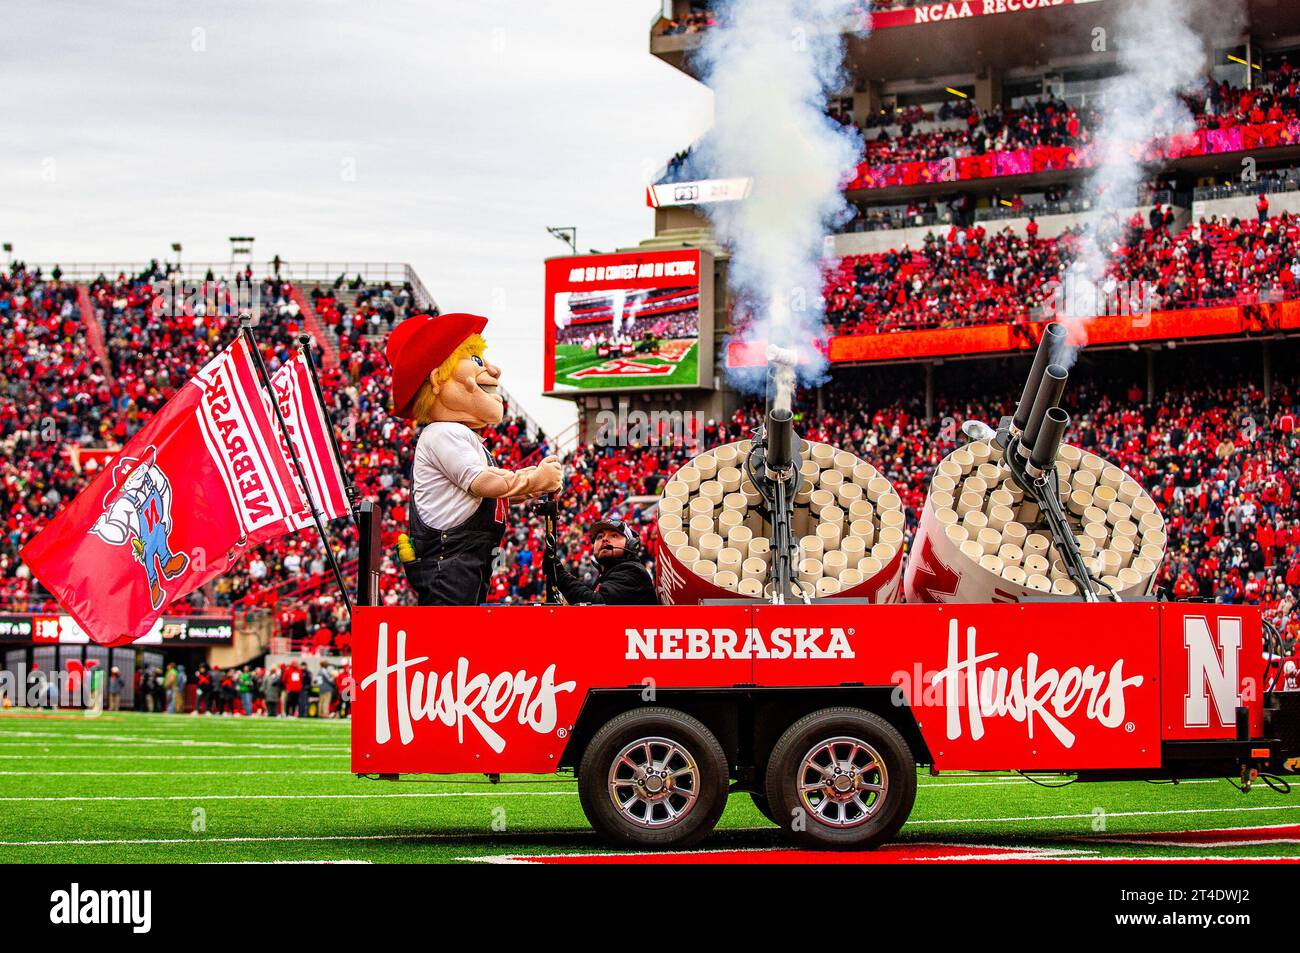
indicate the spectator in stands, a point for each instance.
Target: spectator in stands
{"x":116,"y":685}
{"x":271,"y":687}
{"x":202,"y":690}
{"x":292,"y":689}
{"x":326,"y":693}
{"x":246,"y":683}
{"x":304,"y":693}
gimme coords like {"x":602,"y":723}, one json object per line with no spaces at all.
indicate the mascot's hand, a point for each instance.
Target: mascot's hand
{"x":110,"y":530}
{"x":548,"y":476}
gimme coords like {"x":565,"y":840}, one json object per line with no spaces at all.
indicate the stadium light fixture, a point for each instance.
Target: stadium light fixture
{"x":567,"y":234}
{"x":955,"y":92}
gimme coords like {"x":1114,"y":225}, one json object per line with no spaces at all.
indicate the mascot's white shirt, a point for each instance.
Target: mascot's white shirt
{"x":448,"y":456}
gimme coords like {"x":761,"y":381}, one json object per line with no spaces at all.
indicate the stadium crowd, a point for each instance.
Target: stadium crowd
{"x":1226,"y":489}
{"x":957,"y":128}
{"x":977,"y":275}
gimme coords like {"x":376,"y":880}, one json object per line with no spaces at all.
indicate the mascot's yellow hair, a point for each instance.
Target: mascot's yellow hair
{"x":422,"y":409}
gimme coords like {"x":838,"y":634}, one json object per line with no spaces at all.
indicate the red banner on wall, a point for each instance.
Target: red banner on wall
{"x":957,"y":10}
{"x":1000,"y":338}
{"x":1044,"y":158}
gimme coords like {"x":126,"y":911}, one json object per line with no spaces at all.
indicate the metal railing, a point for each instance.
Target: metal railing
{"x":323,"y":272}
{"x":1287,"y":182}
{"x":1074,"y":205}
{"x":566,"y":441}
{"x":998,"y":213}
{"x":902,"y":220}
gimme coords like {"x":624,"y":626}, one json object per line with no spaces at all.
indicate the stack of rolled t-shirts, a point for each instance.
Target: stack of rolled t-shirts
{"x":981,"y":540}
{"x":715,"y":535}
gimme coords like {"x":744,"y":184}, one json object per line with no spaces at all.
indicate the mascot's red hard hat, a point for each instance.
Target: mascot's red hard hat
{"x":419,"y":345}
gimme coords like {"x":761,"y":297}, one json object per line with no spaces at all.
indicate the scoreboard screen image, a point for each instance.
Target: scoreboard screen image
{"x":633,"y":321}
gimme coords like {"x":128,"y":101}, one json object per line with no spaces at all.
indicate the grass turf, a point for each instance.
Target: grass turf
{"x":128,"y":787}
{"x":571,"y":357}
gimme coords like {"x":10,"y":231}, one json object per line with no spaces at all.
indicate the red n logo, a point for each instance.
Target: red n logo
{"x":932,"y":578}
{"x":151,"y":516}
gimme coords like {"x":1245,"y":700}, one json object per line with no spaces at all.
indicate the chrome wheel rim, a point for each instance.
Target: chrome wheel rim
{"x":842,"y":782}
{"x":654,"y":783}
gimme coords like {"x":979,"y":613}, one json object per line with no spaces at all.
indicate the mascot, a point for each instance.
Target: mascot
{"x":459,"y":496}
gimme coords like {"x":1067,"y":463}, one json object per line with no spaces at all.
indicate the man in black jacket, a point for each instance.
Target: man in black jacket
{"x":622,"y":579}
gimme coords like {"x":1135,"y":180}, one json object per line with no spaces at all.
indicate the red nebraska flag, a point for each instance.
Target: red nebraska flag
{"x":310,"y":429}
{"x":206,"y":479}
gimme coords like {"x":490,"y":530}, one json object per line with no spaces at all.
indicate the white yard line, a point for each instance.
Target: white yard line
{"x":188,"y":773}
{"x":323,"y":738}
{"x":1175,"y":859}
{"x":1108,"y":814}
{"x":1138,"y":842}
{"x":113,"y":737}
{"x":1023,"y":781}
{"x":46,"y":756}
{"x":1001,"y":853}
{"x":306,"y":838}
{"x":246,"y":863}
{"x":178,"y":743}
{"x":169,"y":774}
{"x":289,"y":797}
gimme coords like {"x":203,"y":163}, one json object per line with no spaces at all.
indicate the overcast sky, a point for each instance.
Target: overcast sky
{"x":444,"y":134}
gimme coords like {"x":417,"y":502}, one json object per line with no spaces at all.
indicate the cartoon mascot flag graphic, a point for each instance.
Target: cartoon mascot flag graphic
{"x":138,"y":512}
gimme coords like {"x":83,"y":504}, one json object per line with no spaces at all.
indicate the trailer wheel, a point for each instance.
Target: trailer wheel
{"x":653,"y":777}
{"x":841,"y":777}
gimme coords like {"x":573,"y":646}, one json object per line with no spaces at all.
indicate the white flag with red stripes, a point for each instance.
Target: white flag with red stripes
{"x":309,"y":428}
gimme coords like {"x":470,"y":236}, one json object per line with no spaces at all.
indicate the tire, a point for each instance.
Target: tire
{"x":687,"y":803}
{"x":870,"y":794}
{"x":764,"y":808}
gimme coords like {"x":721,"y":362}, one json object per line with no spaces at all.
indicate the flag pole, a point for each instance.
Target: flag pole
{"x":304,"y":345}
{"x":246,"y":329}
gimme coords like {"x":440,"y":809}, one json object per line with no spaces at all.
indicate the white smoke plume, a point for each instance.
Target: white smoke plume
{"x":771,"y":65}
{"x":1160,"y":55}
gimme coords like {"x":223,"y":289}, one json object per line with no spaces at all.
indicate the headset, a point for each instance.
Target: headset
{"x":633,"y":538}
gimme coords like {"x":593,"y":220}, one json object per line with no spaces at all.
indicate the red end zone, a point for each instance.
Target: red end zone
{"x":947,"y":852}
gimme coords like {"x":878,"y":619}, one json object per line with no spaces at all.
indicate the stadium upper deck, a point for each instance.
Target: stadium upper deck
{"x":979,"y":122}
{"x":913,"y":40}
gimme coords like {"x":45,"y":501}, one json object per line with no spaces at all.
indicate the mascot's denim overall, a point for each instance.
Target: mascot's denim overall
{"x":155,"y":549}
{"x":452,"y":566}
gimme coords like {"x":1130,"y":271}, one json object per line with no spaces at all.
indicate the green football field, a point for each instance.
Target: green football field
{"x":571,"y":357}
{"x":177,"y":789}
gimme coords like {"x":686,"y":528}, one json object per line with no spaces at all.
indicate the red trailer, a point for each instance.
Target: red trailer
{"x":821,"y":713}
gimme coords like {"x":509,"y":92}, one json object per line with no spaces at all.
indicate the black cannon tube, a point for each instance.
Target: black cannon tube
{"x":1049,"y":395}
{"x":780,"y":440}
{"x":1050,"y":434}
{"x":1053,"y":337}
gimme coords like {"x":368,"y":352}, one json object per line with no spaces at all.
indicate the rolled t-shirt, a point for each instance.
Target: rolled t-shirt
{"x":448,"y":456}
